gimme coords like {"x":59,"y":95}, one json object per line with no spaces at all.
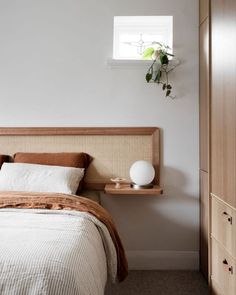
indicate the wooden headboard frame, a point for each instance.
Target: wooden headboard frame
{"x":147,"y":139}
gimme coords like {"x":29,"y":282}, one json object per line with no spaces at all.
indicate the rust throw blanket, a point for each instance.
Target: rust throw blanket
{"x":55,"y":201}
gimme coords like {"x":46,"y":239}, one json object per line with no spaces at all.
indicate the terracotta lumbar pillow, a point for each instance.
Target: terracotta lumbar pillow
{"x":4,"y":158}
{"x":77,"y":160}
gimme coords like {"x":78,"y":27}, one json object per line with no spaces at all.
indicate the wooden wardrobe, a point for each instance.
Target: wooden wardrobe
{"x":218,"y":144}
{"x":204,"y":78}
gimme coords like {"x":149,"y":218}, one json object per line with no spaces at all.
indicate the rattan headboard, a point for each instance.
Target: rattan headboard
{"x":113,"y":149}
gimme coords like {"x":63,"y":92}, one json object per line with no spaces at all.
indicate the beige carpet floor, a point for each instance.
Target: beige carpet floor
{"x":160,"y":283}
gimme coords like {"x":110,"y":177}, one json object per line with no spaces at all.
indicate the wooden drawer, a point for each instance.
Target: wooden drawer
{"x":223,"y":269}
{"x":224,"y":225}
{"x":215,"y":289}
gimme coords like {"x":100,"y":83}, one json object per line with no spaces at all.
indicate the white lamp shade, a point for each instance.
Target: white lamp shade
{"x":142,"y":173}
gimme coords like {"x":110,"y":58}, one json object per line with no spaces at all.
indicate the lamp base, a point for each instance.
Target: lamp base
{"x":137,"y":186}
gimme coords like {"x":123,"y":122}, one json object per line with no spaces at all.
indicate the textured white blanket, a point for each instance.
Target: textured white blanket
{"x":54,"y":252}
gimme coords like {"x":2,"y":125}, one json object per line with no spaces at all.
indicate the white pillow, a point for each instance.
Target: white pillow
{"x":40,"y":178}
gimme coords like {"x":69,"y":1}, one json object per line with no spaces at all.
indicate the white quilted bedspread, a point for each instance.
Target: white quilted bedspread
{"x":54,"y":252}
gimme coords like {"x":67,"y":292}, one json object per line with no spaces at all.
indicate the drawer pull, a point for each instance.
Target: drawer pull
{"x":225,"y":262}
{"x":231,"y":269}
{"x":228,"y":217}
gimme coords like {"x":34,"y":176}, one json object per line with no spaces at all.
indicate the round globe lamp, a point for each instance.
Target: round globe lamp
{"x":142,"y":174}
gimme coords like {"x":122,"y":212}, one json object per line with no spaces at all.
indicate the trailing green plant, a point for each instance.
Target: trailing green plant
{"x":160,"y":68}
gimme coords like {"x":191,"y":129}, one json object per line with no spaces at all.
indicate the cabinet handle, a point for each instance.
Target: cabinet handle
{"x":230,"y":268}
{"x":228,"y":217}
{"x":225,"y":262}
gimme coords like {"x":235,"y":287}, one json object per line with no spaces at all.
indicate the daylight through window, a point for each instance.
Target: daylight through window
{"x":133,"y":34}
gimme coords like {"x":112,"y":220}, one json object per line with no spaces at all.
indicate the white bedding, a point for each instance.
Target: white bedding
{"x":54,"y":252}
{"x":39,"y":178}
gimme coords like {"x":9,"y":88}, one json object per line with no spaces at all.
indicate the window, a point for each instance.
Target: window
{"x":133,"y":34}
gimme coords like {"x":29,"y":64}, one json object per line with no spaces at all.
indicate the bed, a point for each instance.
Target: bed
{"x":60,"y":258}
{"x":57,"y":244}
{"x":60,"y":240}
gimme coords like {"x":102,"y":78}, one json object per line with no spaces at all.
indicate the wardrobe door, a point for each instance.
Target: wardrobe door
{"x":204,"y":10}
{"x":223,"y":100}
{"x":204,"y":95}
{"x":204,"y":134}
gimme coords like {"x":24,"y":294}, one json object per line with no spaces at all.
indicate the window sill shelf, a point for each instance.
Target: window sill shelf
{"x":128,"y":64}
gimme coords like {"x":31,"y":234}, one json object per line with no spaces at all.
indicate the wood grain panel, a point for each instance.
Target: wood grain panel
{"x":125,"y":189}
{"x":156,"y":154}
{"x":224,"y":225}
{"x":223,"y":100}
{"x":204,"y":222}
{"x":77,"y":131}
{"x":204,"y":95}
{"x":203,"y":10}
{"x":215,"y":289}
{"x":223,"y":269}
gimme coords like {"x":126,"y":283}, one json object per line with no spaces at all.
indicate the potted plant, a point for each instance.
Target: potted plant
{"x":161,"y":66}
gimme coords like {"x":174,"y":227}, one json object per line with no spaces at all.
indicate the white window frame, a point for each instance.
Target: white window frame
{"x":141,"y":25}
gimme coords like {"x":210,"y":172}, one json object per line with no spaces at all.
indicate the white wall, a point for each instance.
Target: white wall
{"x":53,"y":72}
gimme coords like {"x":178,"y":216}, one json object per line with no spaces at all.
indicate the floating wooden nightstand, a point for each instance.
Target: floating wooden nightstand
{"x":125,"y":189}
